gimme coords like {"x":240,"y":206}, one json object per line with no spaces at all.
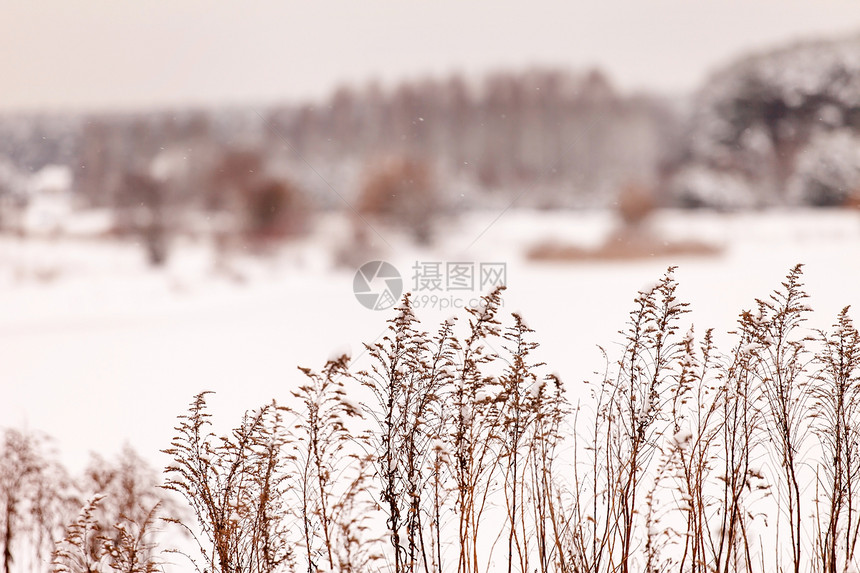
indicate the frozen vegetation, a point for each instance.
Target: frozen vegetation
{"x":100,"y":350}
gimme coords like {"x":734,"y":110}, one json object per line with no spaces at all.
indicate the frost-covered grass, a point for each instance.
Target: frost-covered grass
{"x":454,"y":449}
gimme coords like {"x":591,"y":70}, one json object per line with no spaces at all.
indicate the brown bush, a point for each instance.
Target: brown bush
{"x":635,"y":204}
{"x":401,"y":191}
{"x":621,"y":245}
{"x":275,"y":209}
{"x":236,"y":171}
{"x":853,"y":200}
{"x":142,"y":211}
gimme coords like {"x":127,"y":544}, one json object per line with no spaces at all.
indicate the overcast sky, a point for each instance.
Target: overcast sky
{"x":93,"y":54}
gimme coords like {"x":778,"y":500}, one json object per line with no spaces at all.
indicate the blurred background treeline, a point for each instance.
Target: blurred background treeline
{"x":776,"y":128}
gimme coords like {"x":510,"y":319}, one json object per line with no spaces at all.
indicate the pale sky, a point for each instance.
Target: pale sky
{"x":92,"y":54}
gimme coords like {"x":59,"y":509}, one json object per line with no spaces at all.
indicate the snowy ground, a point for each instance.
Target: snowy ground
{"x":96,"y":350}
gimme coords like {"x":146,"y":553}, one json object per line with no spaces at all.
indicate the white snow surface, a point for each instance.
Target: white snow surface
{"x":97,"y":350}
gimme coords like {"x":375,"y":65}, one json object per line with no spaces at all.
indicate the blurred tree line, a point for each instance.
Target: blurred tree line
{"x":570,"y":137}
{"x":775,"y":128}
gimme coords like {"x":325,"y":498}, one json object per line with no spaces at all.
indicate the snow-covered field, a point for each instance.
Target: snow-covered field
{"x":97,"y":350}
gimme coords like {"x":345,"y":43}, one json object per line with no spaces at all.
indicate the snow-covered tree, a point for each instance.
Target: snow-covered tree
{"x":828,"y":169}
{"x":754,"y":118}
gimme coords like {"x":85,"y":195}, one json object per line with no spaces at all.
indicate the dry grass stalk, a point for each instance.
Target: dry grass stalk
{"x":690,"y":461}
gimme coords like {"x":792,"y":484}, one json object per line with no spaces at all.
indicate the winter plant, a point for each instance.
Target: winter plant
{"x":457,"y":450}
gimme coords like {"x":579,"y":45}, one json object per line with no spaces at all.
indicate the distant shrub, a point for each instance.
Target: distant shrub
{"x":234,"y":172}
{"x":401,"y":192}
{"x":254,"y":205}
{"x":142,"y":212}
{"x":275,"y":209}
{"x":620,"y":246}
{"x":635,"y":204}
